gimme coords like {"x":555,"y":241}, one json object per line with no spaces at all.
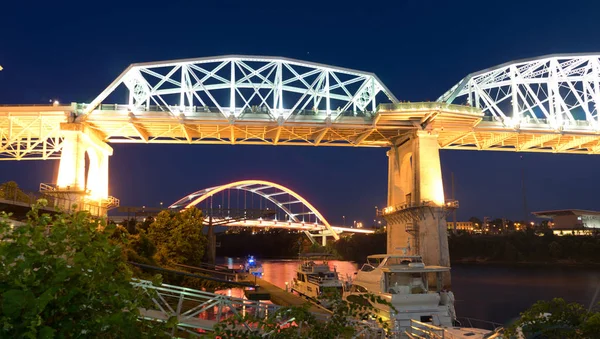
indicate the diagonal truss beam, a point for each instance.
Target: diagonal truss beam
{"x":282,"y":87}
{"x":537,"y":141}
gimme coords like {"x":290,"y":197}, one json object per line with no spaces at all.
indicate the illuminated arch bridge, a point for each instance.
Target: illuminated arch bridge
{"x":292,"y":210}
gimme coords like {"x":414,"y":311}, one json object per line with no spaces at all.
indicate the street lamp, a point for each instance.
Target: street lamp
{"x":344,"y":218}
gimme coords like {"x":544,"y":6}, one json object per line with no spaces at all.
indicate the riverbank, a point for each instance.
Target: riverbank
{"x":500,"y":263}
{"x":519,"y":248}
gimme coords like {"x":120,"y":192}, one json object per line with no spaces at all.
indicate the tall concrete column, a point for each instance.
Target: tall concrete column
{"x":72,"y":188}
{"x":416,"y":222}
{"x":71,"y":170}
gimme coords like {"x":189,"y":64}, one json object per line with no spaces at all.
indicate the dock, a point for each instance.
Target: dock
{"x":279,"y":296}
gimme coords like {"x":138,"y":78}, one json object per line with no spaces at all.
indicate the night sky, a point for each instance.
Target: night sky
{"x":71,"y":51}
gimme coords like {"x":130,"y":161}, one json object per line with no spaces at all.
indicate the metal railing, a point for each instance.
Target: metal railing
{"x":422,"y":330}
{"x":199,"y":311}
{"x":15,"y":195}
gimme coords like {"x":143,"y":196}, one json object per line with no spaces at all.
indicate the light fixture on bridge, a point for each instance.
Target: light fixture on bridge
{"x":512,"y":122}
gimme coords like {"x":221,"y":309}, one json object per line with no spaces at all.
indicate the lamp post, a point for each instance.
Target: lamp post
{"x":344,"y":222}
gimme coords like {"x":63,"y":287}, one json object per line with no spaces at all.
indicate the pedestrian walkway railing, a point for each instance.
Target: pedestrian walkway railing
{"x":197,"y":310}
{"x":423,"y":330}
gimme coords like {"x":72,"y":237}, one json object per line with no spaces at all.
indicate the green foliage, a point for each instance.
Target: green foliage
{"x":327,"y":249}
{"x":11,"y":191}
{"x":178,"y":237}
{"x":358,"y":246}
{"x":63,"y":277}
{"x":346,"y":320}
{"x":556,"y":319}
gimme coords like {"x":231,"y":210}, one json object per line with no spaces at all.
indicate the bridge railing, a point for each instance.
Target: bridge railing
{"x":211,"y":109}
{"x":12,"y":193}
{"x":198,"y":311}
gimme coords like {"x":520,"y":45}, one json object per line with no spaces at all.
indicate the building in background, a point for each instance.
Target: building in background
{"x":466,"y":226}
{"x":572,"y":222}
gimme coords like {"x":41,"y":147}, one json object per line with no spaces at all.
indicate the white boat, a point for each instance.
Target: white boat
{"x":253,"y":267}
{"x":403,"y":281}
{"x":315,"y":279}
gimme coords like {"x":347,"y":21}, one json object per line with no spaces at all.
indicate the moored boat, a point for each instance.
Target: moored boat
{"x":315,"y":280}
{"x":253,"y":267}
{"x":404,"y":282}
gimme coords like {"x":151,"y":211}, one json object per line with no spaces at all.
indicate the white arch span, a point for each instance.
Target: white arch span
{"x":260,"y":187}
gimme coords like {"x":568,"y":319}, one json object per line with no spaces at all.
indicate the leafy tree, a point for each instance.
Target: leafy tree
{"x":346,"y":320}
{"x":11,"y":191}
{"x":556,"y":319}
{"x":178,"y":237}
{"x":62,"y":277}
{"x":555,"y":250}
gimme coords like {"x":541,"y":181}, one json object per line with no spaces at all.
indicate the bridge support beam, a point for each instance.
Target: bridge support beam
{"x":416,"y":218}
{"x":72,"y":187}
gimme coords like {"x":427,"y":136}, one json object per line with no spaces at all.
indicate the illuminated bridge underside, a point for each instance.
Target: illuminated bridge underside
{"x":297,"y":226}
{"x":297,"y":209}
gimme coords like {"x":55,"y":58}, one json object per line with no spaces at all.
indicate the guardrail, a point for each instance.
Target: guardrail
{"x":422,"y":330}
{"x":198,"y":310}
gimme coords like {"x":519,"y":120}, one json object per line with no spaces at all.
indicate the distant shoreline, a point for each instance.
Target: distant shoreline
{"x":558,"y":263}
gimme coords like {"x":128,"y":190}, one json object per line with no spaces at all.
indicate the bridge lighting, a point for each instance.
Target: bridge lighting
{"x":511,"y":122}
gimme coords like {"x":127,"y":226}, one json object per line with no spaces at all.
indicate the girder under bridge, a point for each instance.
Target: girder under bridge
{"x":291,"y":210}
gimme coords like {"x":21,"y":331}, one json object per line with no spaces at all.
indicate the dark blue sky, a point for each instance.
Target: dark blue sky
{"x":71,"y":50}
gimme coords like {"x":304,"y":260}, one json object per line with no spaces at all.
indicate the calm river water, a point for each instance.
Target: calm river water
{"x":492,"y":293}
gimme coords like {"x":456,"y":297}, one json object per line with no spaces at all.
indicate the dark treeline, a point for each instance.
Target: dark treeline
{"x":276,"y":243}
{"x":525,"y":247}
{"x":517,"y":247}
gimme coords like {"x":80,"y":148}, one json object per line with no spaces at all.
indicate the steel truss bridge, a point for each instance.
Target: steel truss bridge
{"x":546,"y":104}
{"x":292,"y":210}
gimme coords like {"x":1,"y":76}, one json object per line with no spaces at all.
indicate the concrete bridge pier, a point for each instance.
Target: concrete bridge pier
{"x":416,"y":211}
{"x":78,"y":184}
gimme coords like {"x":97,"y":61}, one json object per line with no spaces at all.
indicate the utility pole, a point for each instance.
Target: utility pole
{"x":454,"y":211}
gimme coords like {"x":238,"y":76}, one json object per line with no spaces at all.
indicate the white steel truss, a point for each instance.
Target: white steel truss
{"x":236,"y":85}
{"x":558,"y":91}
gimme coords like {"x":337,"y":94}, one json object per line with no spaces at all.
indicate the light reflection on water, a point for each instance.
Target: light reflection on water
{"x":491,"y":293}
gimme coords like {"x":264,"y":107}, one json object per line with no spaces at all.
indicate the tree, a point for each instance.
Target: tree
{"x":11,"y":191}
{"x":556,"y":319}
{"x":178,"y":237}
{"x":62,"y":277}
{"x":555,"y":250}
